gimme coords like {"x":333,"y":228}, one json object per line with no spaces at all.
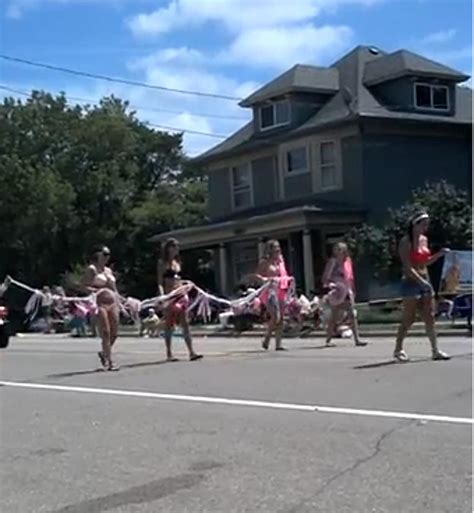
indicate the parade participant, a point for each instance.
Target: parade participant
{"x":416,"y":289}
{"x":272,"y":267}
{"x":47,"y":308}
{"x":338,"y":277}
{"x":100,"y":280}
{"x":169,"y":279}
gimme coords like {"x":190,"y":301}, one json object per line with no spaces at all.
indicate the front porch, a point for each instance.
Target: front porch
{"x":305,"y":234}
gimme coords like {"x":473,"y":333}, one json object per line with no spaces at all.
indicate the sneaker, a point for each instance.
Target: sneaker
{"x":401,"y":356}
{"x":440,"y":355}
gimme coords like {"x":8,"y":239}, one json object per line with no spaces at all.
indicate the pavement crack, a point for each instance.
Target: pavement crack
{"x":357,"y":463}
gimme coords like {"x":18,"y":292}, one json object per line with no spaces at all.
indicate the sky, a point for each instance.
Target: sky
{"x":219,"y":47}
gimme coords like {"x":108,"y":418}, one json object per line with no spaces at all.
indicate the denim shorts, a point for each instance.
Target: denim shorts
{"x":412,"y":288}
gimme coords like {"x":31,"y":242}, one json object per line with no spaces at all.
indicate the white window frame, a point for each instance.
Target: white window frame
{"x":233,"y":190}
{"x":337,"y":165}
{"x":286,"y":172}
{"x":431,"y":87}
{"x":276,"y":125}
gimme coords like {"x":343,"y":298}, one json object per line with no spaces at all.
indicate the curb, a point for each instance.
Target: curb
{"x":320,"y":334}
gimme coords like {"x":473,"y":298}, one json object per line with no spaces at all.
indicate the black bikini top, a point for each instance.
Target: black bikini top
{"x":171,"y":274}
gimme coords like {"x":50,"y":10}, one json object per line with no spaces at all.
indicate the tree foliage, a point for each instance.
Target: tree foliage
{"x":73,"y":176}
{"x":451,"y":216}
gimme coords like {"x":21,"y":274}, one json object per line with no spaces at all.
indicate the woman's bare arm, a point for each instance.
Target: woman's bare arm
{"x":160,"y":269}
{"x":327,"y":272}
{"x":88,"y":280}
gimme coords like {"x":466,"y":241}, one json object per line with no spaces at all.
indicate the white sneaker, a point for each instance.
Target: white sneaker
{"x":401,"y":356}
{"x":440,"y":355}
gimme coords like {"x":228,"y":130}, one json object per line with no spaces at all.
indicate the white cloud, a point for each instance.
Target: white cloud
{"x":235,"y":15}
{"x":282,"y":47}
{"x":442,"y":36}
{"x":182,"y":55}
{"x":168,"y":69}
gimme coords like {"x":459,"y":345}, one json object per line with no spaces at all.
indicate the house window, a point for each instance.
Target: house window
{"x":297,"y":161}
{"x":245,"y":257}
{"x":328,"y":165}
{"x":241,"y":186}
{"x":275,"y":114}
{"x":431,"y":97}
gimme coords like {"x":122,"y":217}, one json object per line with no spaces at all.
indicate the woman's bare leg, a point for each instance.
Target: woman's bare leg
{"x":428,"y":314}
{"x":114,"y":321}
{"x":332,"y":323}
{"x":270,"y":329}
{"x":102,"y":322}
{"x":279,"y":335}
{"x":409,"y":307}
{"x":169,"y":325}
{"x":352,"y":315}
{"x":184,"y":323}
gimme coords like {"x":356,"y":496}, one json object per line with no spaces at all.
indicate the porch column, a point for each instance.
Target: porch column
{"x":308,"y":262}
{"x":261,"y":249}
{"x":223,"y":268}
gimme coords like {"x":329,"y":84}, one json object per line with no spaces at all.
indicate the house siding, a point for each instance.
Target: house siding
{"x":265,"y":179}
{"x":219,"y":189}
{"x":394,"y":165}
{"x":298,"y":186}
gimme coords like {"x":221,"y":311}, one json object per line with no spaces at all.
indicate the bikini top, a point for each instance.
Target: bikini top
{"x":420,"y":256}
{"x":171,"y":274}
{"x":104,"y":278}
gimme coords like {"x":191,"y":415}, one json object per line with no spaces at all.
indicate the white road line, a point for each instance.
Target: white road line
{"x":243,"y":402}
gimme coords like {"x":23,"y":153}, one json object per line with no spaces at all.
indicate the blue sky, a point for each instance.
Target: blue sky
{"x":228,"y":47}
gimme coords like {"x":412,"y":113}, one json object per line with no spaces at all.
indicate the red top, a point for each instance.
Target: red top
{"x":420,"y":256}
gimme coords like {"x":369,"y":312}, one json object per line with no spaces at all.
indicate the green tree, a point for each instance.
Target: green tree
{"x":73,"y":176}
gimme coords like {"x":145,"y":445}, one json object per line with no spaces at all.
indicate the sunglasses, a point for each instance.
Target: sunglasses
{"x":106,"y":253}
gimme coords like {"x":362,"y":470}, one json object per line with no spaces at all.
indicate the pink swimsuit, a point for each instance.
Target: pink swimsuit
{"x":283,"y":284}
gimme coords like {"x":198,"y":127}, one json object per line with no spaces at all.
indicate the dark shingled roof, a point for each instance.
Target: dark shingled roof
{"x":299,"y":78}
{"x":354,"y":99}
{"x":402,"y":63}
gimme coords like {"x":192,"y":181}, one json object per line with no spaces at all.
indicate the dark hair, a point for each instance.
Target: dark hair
{"x":99,"y":248}
{"x":169,"y":243}
{"x":412,"y":224}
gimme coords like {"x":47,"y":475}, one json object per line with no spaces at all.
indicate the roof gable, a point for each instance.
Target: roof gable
{"x":403,"y":63}
{"x":299,"y":78}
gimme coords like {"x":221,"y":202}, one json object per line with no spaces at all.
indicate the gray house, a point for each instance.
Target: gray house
{"x":328,"y":148}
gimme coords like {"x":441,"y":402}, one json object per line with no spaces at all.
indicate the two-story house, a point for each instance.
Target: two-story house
{"x":328,"y":148}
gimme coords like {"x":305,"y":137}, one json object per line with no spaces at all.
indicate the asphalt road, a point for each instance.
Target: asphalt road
{"x":311,"y":430}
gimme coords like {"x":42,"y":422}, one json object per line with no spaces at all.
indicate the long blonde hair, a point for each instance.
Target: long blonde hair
{"x":270,"y":245}
{"x":341,"y":246}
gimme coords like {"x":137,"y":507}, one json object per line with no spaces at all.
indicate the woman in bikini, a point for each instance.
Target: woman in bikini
{"x":338,"y":277}
{"x":99,"y":279}
{"x":416,"y":290}
{"x":169,"y":279}
{"x":272,"y":267}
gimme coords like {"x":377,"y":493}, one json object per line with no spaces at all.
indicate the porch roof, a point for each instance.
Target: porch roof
{"x":291,"y":219}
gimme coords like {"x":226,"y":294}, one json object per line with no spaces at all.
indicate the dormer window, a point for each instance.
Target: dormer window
{"x":275,"y":114}
{"x":431,"y":97}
